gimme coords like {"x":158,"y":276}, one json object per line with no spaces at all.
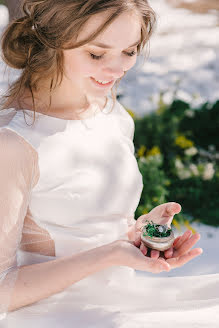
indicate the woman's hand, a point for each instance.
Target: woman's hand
{"x":180,"y":252}
{"x":127,"y":254}
{"x":161,"y":214}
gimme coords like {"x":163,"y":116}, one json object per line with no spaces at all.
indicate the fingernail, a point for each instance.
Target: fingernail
{"x":167,"y":268}
{"x":164,"y":267}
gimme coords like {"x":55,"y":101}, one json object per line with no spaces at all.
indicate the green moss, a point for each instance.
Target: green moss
{"x":156,"y":230}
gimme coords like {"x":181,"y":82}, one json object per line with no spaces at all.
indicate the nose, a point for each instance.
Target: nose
{"x":115,"y":71}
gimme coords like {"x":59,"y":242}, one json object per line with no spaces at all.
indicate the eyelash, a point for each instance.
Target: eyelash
{"x":130,"y":54}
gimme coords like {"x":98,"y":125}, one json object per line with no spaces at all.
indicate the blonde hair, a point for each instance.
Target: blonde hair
{"x":34,"y":42}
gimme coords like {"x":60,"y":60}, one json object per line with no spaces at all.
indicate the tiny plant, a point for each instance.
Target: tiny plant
{"x":156,"y":230}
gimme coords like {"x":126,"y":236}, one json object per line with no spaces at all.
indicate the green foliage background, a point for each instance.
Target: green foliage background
{"x":161,"y":139}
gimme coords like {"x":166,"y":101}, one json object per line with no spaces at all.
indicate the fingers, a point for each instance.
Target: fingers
{"x":169,"y":252}
{"x":163,"y":265}
{"x":176,"y":240}
{"x":180,"y":261}
{"x":172,"y":208}
{"x":180,"y":252}
{"x":137,"y":241}
{"x":181,"y":246}
{"x":143,"y":248}
{"x":181,"y":239}
{"x":189,"y":256}
{"x":155,"y":254}
{"x":162,"y":259}
{"x":157,"y":265}
{"x":161,"y":214}
{"x":187,"y":245}
{"x":177,"y":243}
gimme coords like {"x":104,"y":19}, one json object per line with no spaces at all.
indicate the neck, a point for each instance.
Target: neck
{"x":67,"y":101}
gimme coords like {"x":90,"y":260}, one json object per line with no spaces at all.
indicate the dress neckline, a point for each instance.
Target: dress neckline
{"x":104,"y":110}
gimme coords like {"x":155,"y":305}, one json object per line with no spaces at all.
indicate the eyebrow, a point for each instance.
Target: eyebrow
{"x":102,"y":45}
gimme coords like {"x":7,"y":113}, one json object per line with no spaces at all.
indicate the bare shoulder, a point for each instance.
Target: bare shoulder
{"x":16,"y":152}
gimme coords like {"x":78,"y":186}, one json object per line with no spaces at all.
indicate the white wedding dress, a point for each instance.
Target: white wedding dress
{"x":88,"y":188}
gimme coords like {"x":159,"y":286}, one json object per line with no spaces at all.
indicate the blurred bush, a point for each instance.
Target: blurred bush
{"x":177,"y":150}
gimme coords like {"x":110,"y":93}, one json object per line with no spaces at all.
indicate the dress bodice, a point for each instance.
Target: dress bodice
{"x":89,"y":185}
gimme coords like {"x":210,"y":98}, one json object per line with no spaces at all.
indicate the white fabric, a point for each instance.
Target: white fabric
{"x":88,"y":190}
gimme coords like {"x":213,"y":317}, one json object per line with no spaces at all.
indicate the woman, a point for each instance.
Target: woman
{"x":70,"y":181}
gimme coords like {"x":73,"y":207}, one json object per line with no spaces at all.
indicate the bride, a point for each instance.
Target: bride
{"x":70,"y":184}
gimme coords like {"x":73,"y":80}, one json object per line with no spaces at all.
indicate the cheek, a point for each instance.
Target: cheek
{"x":125,"y":64}
{"x":129,"y":64}
{"x":77,"y":65}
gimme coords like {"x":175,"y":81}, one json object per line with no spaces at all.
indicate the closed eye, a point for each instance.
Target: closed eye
{"x":130,"y":54}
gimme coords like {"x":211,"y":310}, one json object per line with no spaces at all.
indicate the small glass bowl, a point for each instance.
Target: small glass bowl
{"x":158,"y":243}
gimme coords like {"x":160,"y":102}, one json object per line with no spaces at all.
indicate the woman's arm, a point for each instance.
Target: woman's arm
{"x":26,"y":284}
{"x":38,"y":281}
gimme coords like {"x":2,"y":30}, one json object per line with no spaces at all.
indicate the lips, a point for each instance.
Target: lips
{"x":102,"y":85}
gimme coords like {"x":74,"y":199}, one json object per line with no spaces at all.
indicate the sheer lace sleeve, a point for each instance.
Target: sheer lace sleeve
{"x":18,"y":175}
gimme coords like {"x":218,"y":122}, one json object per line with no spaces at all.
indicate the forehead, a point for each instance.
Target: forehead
{"x":123,"y":31}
